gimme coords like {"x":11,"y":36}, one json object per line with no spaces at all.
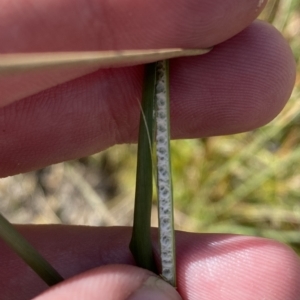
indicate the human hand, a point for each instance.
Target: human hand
{"x":242,"y":84}
{"x":209,"y":266}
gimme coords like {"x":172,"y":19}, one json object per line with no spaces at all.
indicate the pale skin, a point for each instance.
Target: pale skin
{"x":241,"y":85}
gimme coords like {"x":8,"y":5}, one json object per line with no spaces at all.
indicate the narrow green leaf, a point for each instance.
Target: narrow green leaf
{"x":31,"y":256}
{"x":140,"y":245}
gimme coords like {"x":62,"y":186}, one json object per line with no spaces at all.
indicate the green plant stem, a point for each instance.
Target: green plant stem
{"x":140,"y":245}
{"x":26,"y":251}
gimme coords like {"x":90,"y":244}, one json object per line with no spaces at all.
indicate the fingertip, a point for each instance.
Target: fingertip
{"x":270,"y":81}
{"x":279,"y":72}
{"x":233,"y":266}
{"x":241,"y":85}
{"x":115,"y":282}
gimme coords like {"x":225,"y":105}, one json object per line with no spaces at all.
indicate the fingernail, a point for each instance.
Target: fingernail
{"x":155,"y":288}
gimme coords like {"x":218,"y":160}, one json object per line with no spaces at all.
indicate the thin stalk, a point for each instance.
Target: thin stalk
{"x":15,"y":63}
{"x":156,"y":89}
{"x":164,"y":178}
{"x":140,"y":244}
{"x":26,"y":251}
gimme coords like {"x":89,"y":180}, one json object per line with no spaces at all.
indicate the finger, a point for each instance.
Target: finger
{"x":25,"y":74}
{"x":237,"y":267}
{"x":242,"y":84}
{"x":113,"y":282}
{"x":208,"y":266}
{"x":54,"y":25}
{"x":110,"y":25}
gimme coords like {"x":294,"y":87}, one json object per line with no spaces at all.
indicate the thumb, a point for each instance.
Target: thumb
{"x":112,"y":282}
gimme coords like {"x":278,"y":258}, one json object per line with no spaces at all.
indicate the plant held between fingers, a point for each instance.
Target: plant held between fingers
{"x":154,"y":119}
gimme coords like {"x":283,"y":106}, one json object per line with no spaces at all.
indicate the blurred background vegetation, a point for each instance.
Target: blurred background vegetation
{"x":246,"y":183}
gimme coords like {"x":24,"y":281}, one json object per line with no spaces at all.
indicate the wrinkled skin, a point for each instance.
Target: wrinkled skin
{"x":47,"y":118}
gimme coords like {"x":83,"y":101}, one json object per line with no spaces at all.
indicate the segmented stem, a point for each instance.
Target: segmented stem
{"x":164,"y":181}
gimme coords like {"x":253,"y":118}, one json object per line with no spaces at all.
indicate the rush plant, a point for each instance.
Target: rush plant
{"x":154,"y":130}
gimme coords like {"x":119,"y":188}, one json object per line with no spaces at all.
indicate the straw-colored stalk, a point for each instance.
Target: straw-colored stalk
{"x":164,"y":179}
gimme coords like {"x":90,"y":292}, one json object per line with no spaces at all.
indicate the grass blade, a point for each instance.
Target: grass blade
{"x":31,"y":256}
{"x":140,"y":245}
